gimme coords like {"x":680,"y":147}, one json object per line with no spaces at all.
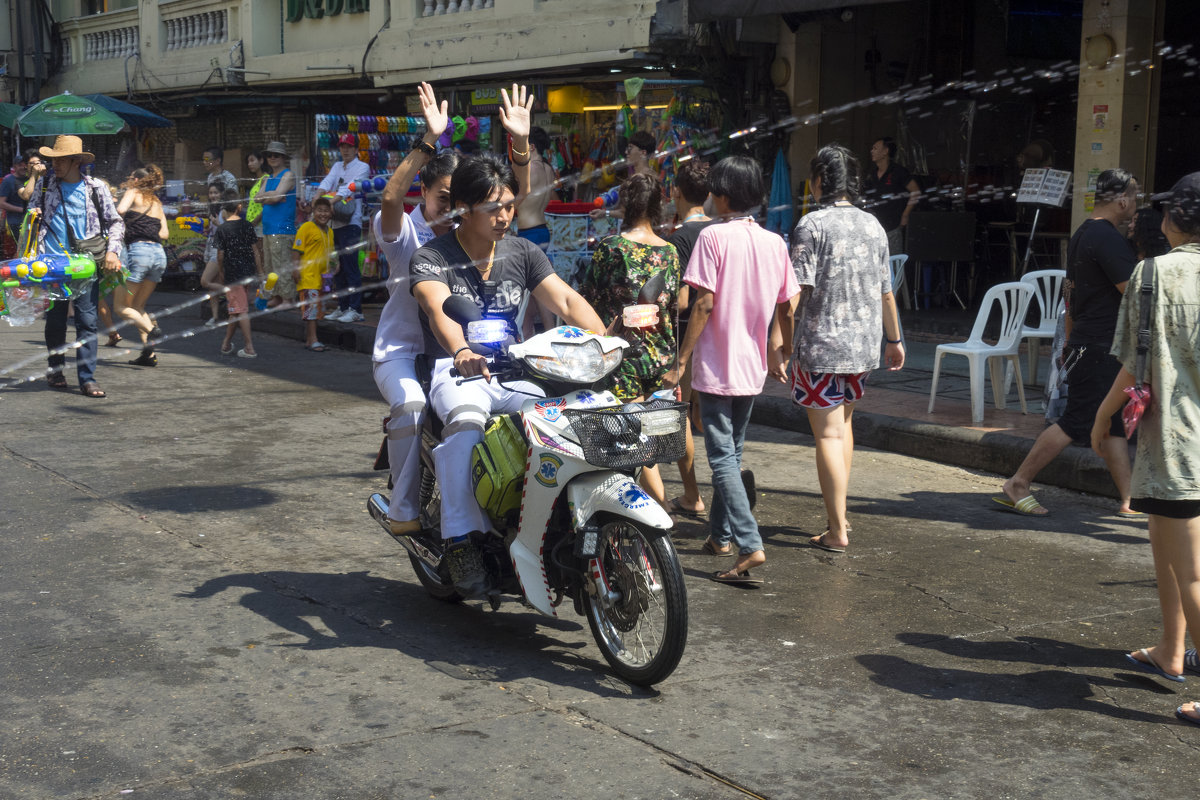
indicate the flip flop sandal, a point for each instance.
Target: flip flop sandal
{"x":1182,"y":717}
{"x":316,"y":347}
{"x":679,"y":509}
{"x":92,"y":389}
{"x":1027,"y":506}
{"x":57,"y":381}
{"x":227,"y":351}
{"x":742,"y":578}
{"x":1154,"y":669}
{"x":1130,"y":514}
{"x":1191,"y":661}
{"x":713,"y":550}
{"x":819,"y":543}
{"x":114,"y":339}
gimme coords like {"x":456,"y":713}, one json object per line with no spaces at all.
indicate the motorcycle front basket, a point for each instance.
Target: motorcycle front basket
{"x":633,"y":435}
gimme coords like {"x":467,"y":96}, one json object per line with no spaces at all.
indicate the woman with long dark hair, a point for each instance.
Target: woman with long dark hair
{"x":621,"y":265}
{"x":840,"y":255}
{"x":145,"y":231}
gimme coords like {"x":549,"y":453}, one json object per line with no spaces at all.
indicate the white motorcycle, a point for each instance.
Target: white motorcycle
{"x":558,"y":483}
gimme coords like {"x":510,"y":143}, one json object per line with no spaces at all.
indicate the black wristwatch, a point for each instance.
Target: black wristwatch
{"x":426,"y":148}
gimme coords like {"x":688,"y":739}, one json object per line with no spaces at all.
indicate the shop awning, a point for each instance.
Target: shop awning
{"x":134,"y":115}
{"x":709,"y":10}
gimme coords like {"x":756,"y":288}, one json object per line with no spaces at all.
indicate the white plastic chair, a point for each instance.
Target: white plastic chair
{"x":898,"y":279}
{"x":1047,"y":288}
{"x":1013,"y":301}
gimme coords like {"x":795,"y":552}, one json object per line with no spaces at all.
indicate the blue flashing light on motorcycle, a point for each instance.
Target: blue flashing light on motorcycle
{"x":487,"y":331}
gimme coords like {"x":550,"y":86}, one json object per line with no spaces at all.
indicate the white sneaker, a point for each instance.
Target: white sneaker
{"x":335,"y":316}
{"x":352,"y":316}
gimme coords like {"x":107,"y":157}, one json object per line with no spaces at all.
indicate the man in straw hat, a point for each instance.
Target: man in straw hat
{"x":78,"y":215}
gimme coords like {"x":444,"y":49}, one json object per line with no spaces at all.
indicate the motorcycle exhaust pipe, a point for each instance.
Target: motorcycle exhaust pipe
{"x":377,"y":505}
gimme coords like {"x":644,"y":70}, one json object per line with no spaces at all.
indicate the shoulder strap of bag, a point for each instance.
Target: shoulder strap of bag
{"x":1143,"y":336}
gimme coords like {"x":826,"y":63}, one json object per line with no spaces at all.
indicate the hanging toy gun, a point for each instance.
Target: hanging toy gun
{"x":44,"y":269}
{"x":193,"y":224}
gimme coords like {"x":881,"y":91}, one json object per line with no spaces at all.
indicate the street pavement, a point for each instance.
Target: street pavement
{"x":200,"y":607}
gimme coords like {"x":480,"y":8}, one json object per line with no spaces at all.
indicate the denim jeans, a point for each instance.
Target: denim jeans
{"x":725,"y":420}
{"x":345,"y":240}
{"x":85,"y":332}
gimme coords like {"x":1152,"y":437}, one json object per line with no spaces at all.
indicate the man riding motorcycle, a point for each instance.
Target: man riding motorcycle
{"x":476,"y":261}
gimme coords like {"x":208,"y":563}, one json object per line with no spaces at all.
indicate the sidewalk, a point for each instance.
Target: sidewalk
{"x":893,"y":414}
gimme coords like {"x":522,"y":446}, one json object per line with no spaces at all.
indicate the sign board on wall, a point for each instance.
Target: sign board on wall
{"x":316,"y":9}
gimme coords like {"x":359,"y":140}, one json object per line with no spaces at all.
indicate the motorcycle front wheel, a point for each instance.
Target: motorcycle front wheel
{"x":642,"y":627}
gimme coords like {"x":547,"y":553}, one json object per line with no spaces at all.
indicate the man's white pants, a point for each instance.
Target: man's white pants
{"x":464,"y":410}
{"x":397,"y":382}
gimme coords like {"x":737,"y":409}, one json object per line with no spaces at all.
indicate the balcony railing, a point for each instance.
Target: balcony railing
{"x":433,"y":8}
{"x":197,"y":30}
{"x":116,"y":43}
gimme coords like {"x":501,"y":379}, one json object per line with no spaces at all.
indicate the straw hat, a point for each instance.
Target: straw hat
{"x":277,"y":148}
{"x":68,"y":146}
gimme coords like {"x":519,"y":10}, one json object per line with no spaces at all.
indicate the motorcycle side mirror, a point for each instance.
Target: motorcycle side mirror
{"x":461,"y":309}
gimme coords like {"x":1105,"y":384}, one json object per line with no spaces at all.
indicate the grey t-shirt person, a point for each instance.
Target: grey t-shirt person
{"x":518,"y":266}
{"x":841,"y":252}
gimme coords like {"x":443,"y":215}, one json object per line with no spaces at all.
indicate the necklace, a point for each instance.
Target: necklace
{"x":491,"y":255}
{"x":697,"y":215}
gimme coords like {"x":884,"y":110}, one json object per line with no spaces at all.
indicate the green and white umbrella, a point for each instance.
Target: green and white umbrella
{"x":9,"y":113}
{"x":68,"y":114}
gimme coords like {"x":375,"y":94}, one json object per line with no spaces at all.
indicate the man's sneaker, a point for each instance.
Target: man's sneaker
{"x":466,"y":569}
{"x":352,"y":316}
{"x":335,"y":316}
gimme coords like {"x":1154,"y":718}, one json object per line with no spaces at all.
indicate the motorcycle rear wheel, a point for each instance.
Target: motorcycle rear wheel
{"x":437,"y":582}
{"x":643,"y":634}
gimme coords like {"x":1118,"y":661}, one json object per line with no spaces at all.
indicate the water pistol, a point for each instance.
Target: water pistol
{"x":193,"y":224}
{"x":609,"y":198}
{"x":46,"y":268}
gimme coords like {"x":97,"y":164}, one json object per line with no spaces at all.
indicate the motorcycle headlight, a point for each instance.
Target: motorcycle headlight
{"x":578,"y":363}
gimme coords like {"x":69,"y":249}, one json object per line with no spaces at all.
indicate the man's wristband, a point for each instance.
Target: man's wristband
{"x":459,"y":350}
{"x":892,"y":341}
{"x":426,"y":148}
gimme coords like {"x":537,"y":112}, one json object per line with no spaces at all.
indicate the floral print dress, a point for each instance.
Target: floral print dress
{"x":619,"y":269}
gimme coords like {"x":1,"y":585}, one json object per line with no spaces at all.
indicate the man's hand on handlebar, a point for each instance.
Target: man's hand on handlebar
{"x":470,"y":364}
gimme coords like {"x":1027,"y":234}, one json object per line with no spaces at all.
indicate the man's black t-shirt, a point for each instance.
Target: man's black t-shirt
{"x":236,"y":239}
{"x":1098,"y":258}
{"x":518,"y":266}
{"x":684,"y":240}
{"x":886,"y":196}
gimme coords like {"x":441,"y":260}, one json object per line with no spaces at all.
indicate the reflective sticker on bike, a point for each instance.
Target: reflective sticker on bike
{"x":547,"y":473}
{"x":633,"y":498}
{"x":585,"y":398}
{"x":550,"y":409}
{"x":570,"y":332}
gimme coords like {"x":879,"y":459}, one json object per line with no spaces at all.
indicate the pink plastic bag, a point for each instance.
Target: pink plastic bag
{"x":1139,"y":401}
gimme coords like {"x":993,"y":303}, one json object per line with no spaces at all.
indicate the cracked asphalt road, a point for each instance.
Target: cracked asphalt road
{"x":198,"y":606}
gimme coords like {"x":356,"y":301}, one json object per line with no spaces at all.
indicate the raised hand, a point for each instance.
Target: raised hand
{"x":436,"y":117}
{"x":516,"y":111}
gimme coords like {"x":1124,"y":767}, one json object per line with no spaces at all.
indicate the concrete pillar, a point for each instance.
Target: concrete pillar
{"x":802,"y":51}
{"x":1117,"y":95}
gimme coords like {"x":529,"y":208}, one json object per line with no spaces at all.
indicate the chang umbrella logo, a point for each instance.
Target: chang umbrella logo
{"x":69,"y":110}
